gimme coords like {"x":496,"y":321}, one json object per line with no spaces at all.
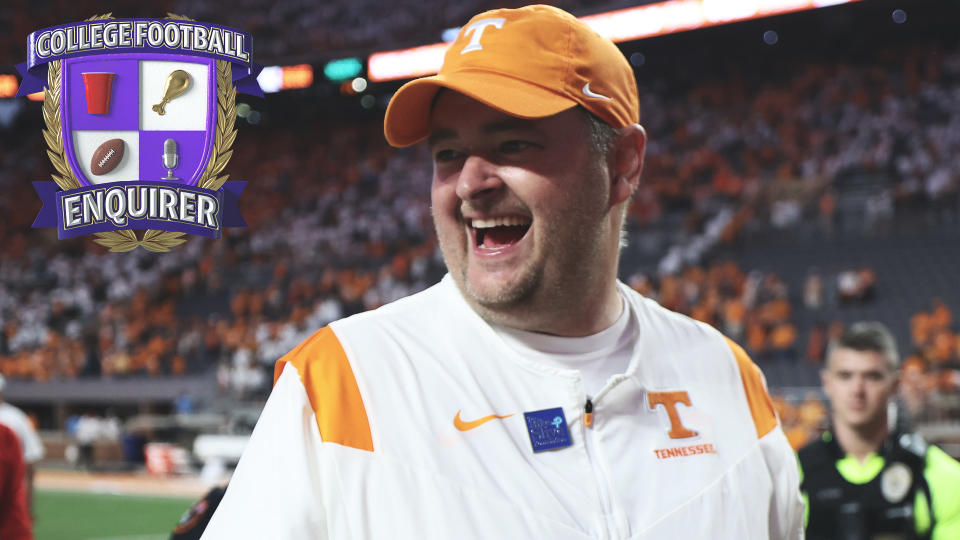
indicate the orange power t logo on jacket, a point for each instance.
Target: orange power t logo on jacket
{"x":669,"y":401}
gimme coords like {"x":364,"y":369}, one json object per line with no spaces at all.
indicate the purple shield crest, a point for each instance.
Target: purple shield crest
{"x":160,"y":107}
{"x":140,"y":120}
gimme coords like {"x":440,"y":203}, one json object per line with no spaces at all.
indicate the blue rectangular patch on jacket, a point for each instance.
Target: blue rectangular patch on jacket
{"x":547,"y":429}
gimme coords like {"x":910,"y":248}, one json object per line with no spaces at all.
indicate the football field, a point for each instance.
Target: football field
{"x":72,"y":505}
{"x":70,"y":515}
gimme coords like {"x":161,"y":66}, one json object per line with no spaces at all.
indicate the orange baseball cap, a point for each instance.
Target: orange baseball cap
{"x":531,"y":62}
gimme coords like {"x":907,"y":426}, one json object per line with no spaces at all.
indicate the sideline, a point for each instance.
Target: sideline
{"x":119,"y":483}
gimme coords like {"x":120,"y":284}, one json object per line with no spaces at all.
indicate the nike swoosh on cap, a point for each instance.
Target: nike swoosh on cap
{"x":467,"y":426}
{"x":587,"y":92}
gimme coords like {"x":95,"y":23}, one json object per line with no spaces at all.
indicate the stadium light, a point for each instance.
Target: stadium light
{"x":406,"y":63}
{"x":450,"y":34}
{"x":629,"y":24}
{"x":277,"y":78}
{"x":271,"y":79}
{"x":342,"y":69}
{"x":354,"y":86}
{"x":298,"y":76}
{"x":8,"y":86}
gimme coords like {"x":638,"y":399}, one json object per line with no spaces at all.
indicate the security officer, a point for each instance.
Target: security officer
{"x":862,"y":480}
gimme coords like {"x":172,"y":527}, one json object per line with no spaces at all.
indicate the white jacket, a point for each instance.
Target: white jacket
{"x":359,"y":439}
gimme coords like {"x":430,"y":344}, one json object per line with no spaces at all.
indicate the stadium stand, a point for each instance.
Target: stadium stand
{"x":290,"y":32}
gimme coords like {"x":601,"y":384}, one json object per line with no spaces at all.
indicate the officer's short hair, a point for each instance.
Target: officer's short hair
{"x":871,"y":336}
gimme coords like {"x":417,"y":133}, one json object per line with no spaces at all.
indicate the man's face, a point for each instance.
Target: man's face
{"x":859,"y":385}
{"x":520,"y":206}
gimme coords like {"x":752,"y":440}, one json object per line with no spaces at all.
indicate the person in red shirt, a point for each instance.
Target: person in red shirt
{"x":14,"y":516}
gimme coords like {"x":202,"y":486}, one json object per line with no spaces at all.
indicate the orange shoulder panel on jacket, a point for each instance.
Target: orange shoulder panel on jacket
{"x":761,"y":406}
{"x":332,"y":389}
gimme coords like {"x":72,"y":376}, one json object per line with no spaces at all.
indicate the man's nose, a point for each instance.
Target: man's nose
{"x":479,"y":177}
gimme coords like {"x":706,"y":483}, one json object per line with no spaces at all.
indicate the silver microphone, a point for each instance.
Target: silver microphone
{"x":170,"y":158}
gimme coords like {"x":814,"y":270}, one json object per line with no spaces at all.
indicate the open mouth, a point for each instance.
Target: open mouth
{"x":499,"y":233}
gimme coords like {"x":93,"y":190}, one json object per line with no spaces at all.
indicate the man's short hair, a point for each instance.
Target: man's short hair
{"x":871,"y":336}
{"x":602,"y":134}
{"x":602,"y":138}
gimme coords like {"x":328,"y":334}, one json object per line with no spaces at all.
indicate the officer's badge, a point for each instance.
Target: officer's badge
{"x":895,"y":482}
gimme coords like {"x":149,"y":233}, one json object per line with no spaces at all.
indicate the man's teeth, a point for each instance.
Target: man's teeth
{"x":499,"y":222}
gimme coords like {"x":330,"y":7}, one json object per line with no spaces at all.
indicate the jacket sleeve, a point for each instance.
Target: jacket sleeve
{"x":275,"y":490}
{"x":785,"y":512}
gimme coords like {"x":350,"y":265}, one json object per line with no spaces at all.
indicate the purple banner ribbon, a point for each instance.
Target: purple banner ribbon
{"x":142,"y":35}
{"x":139,"y":205}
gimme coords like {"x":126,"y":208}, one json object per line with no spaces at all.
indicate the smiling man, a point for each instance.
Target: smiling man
{"x":863,"y":480}
{"x":529,"y":394}
{"x":528,"y":215}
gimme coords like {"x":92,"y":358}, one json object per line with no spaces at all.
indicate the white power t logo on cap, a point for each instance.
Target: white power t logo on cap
{"x":477,"y":29}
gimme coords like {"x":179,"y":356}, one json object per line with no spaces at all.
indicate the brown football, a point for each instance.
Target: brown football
{"x":107,"y":156}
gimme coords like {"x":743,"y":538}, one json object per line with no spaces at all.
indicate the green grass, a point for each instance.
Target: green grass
{"x":63,"y":515}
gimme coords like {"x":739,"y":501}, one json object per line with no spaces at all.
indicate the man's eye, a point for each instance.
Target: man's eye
{"x":510,"y":147}
{"x":445,"y":155}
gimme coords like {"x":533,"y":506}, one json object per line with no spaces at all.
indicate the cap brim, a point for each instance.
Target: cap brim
{"x":407,"y":120}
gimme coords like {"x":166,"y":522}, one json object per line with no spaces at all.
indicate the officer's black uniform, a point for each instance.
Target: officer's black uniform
{"x":882,"y":508}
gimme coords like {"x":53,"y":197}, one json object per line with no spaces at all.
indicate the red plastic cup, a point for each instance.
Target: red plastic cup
{"x":98,"y":86}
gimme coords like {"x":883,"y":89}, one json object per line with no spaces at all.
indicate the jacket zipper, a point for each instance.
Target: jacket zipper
{"x":599,"y":473}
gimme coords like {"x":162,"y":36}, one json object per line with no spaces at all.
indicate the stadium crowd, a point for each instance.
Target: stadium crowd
{"x":339,"y":223}
{"x":352,"y":243}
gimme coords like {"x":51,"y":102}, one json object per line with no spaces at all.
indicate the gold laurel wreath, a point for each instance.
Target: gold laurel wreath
{"x":51,"y":117}
{"x":153,"y":240}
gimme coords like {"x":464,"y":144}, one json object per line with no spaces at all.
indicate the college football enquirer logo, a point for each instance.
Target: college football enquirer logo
{"x":139,"y":118}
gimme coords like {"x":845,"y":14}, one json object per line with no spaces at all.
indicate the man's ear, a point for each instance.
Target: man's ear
{"x":626,"y":162}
